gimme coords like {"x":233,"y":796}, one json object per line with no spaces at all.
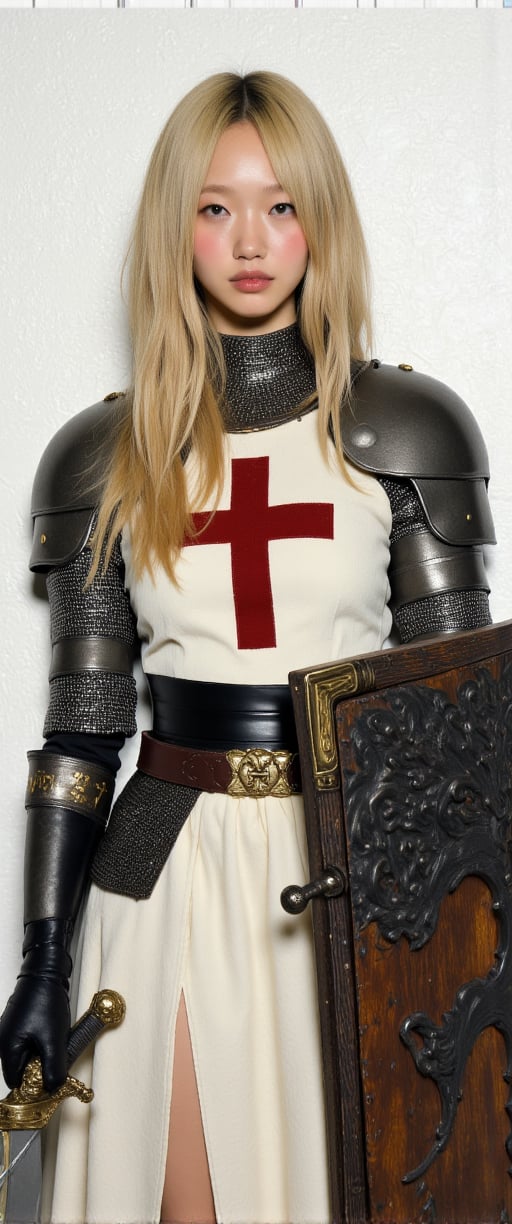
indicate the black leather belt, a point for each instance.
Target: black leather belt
{"x":220,"y":717}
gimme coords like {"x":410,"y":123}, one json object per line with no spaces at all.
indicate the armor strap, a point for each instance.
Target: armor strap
{"x":422,"y":565}
{"x":91,"y":653}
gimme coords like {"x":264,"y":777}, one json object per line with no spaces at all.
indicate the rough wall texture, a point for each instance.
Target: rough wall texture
{"x":418,"y":102}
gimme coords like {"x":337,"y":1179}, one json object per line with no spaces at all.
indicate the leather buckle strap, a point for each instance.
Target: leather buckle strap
{"x":254,"y":772}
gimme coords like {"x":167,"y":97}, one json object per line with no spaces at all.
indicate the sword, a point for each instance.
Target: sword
{"x":27,"y":1109}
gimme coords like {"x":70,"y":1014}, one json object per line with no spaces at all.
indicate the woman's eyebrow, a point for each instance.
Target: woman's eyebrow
{"x":225,"y":187}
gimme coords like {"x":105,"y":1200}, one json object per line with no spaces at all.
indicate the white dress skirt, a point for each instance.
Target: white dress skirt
{"x":214,"y":927}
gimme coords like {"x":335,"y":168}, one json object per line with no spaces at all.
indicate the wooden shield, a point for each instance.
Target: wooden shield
{"x":407,"y":771}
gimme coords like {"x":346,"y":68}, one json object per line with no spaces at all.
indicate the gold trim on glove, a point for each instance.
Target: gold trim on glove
{"x":59,"y":781}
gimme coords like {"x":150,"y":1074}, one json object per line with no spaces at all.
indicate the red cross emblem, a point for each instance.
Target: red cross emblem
{"x":248,"y":526}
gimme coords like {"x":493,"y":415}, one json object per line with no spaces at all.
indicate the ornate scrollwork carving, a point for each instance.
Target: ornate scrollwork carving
{"x":30,"y":1107}
{"x":429,"y":805}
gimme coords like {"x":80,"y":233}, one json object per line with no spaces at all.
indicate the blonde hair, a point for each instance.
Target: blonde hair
{"x":179,"y":372}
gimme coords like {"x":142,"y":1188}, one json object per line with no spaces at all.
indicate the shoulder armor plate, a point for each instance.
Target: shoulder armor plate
{"x":405,"y":424}
{"x":68,"y":484}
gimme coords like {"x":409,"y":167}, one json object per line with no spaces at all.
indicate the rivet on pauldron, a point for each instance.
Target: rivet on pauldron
{"x":363,"y":436}
{"x":42,"y":538}
{"x":403,"y":366}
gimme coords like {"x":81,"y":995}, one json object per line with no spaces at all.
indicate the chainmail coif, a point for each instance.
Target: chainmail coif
{"x":268,"y":378}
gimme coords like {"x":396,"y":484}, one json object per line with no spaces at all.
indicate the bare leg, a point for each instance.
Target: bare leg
{"x":187,"y":1197}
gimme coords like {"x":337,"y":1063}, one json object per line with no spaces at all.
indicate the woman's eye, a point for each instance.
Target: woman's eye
{"x":282,"y":208}
{"x":213,"y":210}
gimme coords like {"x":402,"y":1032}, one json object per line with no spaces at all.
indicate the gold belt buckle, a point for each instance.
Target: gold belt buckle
{"x":258,"y":772}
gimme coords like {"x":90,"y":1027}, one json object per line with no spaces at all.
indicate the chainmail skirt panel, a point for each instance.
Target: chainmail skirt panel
{"x":214,"y":928}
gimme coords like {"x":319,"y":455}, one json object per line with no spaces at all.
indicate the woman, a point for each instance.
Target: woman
{"x":231,"y":528}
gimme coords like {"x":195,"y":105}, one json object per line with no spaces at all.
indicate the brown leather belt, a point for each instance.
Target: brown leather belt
{"x":253,"y":772}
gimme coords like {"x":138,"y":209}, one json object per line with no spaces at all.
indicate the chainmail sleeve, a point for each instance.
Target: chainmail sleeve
{"x":435,"y":587}
{"x":93,"y":633}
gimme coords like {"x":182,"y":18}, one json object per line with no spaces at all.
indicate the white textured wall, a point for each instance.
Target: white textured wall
{"x":418,"y":102}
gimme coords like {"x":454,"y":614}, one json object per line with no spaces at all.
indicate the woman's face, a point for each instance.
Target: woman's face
{"x":249,"y":250}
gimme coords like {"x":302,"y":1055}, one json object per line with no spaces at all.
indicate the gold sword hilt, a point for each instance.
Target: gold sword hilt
{"x":30,"y":1106}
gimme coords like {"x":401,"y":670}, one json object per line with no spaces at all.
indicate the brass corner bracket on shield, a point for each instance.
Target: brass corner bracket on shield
{"x":323,"y":686}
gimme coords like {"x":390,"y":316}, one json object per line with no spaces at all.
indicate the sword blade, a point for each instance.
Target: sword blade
{"x":19,"y":1196}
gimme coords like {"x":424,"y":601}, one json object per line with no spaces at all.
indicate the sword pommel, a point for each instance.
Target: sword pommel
{"x":109,"y":1007}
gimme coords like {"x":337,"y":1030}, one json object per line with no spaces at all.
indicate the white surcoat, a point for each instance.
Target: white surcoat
{"x":290,"y":571}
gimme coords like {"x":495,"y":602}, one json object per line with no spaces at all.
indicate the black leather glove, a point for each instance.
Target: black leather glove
{"x":59,"y":846}
{"x":36,"y":1019}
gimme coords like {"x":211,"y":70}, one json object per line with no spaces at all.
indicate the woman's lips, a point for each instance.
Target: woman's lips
{"x":251,"y":284}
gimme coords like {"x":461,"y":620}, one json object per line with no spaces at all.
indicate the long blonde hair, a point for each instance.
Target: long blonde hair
{"x":179,"y":371}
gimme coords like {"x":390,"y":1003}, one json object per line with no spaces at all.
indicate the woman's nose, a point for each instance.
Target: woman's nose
{"x":249,"y":238}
